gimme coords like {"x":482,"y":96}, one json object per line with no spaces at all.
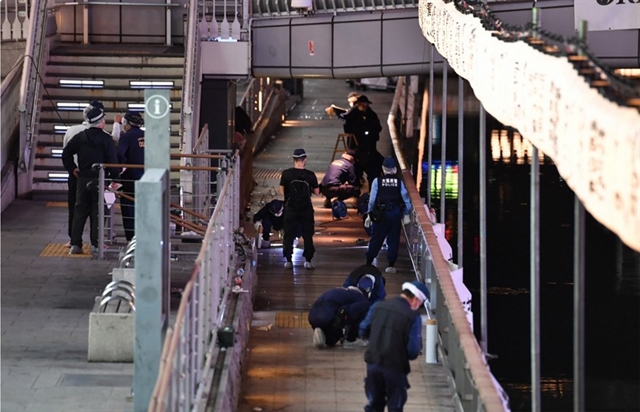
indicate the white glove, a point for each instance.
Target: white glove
{"x":406,"y":219}
{"x":367,"y":222}
{"x":257,"y":225}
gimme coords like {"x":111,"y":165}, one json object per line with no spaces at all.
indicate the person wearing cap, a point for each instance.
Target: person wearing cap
{"x":336,"y":314}
{"x":390,"y":197}
{"x":370,"y":280}
{"x":394,"y":330}
{"x":297,"y":184}
{"x":72,"y":180}
{"x":363,"y":122}
{"x":130,"y":152}
{"x":270,"y":216}
{"x":92,"y":145}
{"x":340,"y":179}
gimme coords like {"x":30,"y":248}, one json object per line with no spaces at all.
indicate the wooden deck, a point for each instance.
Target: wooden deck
{"x":285,"y":372}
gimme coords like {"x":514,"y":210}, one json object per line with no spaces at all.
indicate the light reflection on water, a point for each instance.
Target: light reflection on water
{"x":612,"y":280}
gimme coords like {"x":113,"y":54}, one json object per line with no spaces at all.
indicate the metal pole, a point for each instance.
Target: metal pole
{"x":443,"y":141}
{"x":578,"y":306}
{"x":431,"y":126}
{"x":460,"y":168}
{"x":85,"y":22}
{"x":534,"y":263}
{"x":101,"y":203}
{"x":534,"y":266}
{"x":168,"y":23}
{"x":483,"y":230}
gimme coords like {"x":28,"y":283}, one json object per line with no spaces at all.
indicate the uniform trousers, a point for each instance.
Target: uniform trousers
{"x":293,"y":219}
{"x":86,"y":207}
{"x":128,"y":209}
{"x":389,"y":228}
{"x":384,"y":386}
{"x":71,"y":200}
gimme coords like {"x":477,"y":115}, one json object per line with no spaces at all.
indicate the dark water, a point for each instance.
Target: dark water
{"x":612,"y":304}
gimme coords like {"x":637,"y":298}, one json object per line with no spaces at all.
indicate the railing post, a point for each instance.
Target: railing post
{"x":168,"y":23}
{"x":85,"y":22}
{"x":101,"y":204}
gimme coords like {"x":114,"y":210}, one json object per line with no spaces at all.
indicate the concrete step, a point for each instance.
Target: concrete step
{"x":107,"y":97}
{"x":98,"y":71}
{"x":107,"y":59}
{"x":110,"y":92}
{"x":75,"y":116}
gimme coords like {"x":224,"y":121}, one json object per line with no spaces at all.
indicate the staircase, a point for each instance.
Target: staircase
{"x":103,"y":73}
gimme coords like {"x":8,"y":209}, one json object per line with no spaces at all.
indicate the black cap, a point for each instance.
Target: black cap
{"x":134,"y":118}
{"x":94,"y":114}
{"x":299,"y":154}
{"x":97,"y":104}
{"x":363,"y":99}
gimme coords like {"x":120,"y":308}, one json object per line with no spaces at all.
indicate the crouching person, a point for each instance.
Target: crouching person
{"x":370,"y":280}
{"x":269,"y":217}
{"x":334,"y":311}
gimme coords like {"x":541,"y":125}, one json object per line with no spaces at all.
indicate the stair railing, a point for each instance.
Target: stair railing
{"x":30,"y":84}
{"x":191,"y":93}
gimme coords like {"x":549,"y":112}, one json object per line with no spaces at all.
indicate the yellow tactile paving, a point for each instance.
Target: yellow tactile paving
{"x":60,"y":250}
{"x":291,"y":320}
{"x":56,"y":204}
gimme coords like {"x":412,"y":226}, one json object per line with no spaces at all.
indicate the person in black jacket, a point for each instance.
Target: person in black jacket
{"x":363,"y":122}
{"x":394,"y":330}
{"x":298,"y":184}
{"x":340,"y":180}
{"x":92,"y":145}
{"x":270,"y":216}
{"x":130,"y":151}
{"x":370,"y":280}
{"x":334,"y":311}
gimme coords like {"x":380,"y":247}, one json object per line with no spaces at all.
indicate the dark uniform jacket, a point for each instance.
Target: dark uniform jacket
{"x":265,"y":212}
{"x":388,"y":335}
{"x":131,"y":151}
{"x":92,"y":145}
{"x":340,"y":171}
{"x":365,"y":126}
{"x":389,"y":191}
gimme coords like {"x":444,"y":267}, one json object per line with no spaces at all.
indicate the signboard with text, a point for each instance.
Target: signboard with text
{"x":607,"y":14}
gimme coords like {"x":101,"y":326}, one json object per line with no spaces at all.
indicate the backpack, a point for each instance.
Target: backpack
{"x":299,"y":195}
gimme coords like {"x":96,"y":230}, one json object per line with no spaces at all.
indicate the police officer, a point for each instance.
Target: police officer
{"x":370,"y":280}
{"x":130,"y":151}
{"x":394,"y":330}
{"x":363,"y":122}
{"x":340,"y":180}
{"x":269,"y":216}
{"x":92,"y":145}
{"x":388,"y":195}
{"x":335,"y":310}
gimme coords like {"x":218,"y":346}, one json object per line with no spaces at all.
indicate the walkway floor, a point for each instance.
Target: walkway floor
{"x":285,"y":372}
{"x":47,"y":298}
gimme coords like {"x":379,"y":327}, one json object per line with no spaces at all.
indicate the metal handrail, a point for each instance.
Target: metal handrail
{"x":113,"y":3}
{"x":189,"y":114}
{"x":30,"y":83}
{"x":201,"y":308}
{"x":428,"y":262}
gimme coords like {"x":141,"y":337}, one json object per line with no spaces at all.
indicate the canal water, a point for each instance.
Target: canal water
{"x":612,"y":305}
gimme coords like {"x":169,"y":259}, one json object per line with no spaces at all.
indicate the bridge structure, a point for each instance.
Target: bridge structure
{"x":225,"y":42}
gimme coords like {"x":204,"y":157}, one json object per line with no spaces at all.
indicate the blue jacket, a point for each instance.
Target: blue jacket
{"x":340,"y":171}
{"x":131,"y":151}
